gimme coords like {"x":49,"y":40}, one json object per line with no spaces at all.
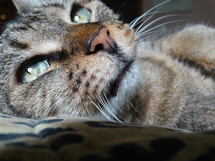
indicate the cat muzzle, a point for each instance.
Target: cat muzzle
{"x":90,"y":39}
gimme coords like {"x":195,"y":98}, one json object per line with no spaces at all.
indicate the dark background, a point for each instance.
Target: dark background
{"x":129,"y":9}
{"x":7,"y":11}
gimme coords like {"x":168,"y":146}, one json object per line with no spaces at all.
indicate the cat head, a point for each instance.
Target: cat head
{"x":67,"y":58}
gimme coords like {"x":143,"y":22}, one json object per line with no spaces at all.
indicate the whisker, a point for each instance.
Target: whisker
{"x":102,"y":112}
{"x":104,"y":104}
{"x":109,"y":108}
{"x":134,"y":22}
{"x":120,"y":9}
{"x":140,"y":35}
{"x":133,"y":107}
{"x":140,"y":19}
{"x":153,"y":22}
{"x":144,"y":21}
{"x":144,"y":35}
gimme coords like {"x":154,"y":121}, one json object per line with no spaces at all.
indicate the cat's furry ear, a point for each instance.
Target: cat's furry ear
{"x":26,"y":5}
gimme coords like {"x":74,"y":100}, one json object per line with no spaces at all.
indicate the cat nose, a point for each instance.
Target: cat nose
{"x":102,"y":41}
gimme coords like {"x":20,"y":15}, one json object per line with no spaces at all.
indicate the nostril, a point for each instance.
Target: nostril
{"x":101,"y":41}
{"x":98,"y":48}
{"x":108,"y":32}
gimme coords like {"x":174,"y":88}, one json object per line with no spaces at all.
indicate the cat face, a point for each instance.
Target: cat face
{"x":67,"y":58}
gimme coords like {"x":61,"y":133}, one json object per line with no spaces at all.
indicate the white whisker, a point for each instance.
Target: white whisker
{"x":102,"y":112}
{"x":154,"y":21}
{"x":140,"y":35}
{"x":105,"y":105}
{"x":141,"y":18}
{"x":133,"y":106}
{"x":134,"y":22}
{"x":144,"y":35}
{"x":144,"y":21}
{"x":109,"y":108}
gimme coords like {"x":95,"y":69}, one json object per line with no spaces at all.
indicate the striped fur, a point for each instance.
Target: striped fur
{"x":168,"y":82}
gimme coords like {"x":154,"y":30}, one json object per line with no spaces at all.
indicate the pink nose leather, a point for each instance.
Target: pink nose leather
{"x":102,"y":41}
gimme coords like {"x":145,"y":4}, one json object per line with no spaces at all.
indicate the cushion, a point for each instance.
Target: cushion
{"x":83,"y":139}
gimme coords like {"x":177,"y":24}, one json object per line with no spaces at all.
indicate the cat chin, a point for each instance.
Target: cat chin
{"x":126,"y":91}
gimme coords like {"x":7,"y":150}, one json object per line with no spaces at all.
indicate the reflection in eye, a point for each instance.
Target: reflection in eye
{"x":33,"y":71}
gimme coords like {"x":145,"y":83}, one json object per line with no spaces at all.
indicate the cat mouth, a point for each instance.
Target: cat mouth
{"x":114,"y":86}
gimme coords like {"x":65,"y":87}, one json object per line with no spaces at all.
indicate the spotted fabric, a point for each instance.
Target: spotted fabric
{"x":79,"y":139}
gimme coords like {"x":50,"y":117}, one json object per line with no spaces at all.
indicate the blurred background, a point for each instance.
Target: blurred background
{"x":190,"y":11}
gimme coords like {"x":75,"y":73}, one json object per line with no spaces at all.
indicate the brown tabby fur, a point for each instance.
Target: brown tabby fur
{"x":167,"y":82}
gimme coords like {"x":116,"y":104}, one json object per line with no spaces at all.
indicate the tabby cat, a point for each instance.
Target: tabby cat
{"x":75,"y":58}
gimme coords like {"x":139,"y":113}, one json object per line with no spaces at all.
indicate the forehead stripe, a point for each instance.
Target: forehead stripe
{"x":19,"y":45}
{"x":55,"y":5}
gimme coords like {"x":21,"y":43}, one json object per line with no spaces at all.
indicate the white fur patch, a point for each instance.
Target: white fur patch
{"x":126,"y":91}
{"x":47,"y":47}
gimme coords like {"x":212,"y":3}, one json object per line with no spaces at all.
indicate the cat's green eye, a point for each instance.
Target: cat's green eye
{"x":80,"y":15}
{"x":33,"y":71}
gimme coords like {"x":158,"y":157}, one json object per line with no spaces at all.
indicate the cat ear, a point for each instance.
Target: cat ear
{"x":26,"y":5}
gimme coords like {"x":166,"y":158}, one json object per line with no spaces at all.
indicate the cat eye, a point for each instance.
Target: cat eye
{"x":80,"y":14}
{"x":32,"y":71}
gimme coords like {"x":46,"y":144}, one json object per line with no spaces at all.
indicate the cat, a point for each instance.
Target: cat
{"x":76,"y":58}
